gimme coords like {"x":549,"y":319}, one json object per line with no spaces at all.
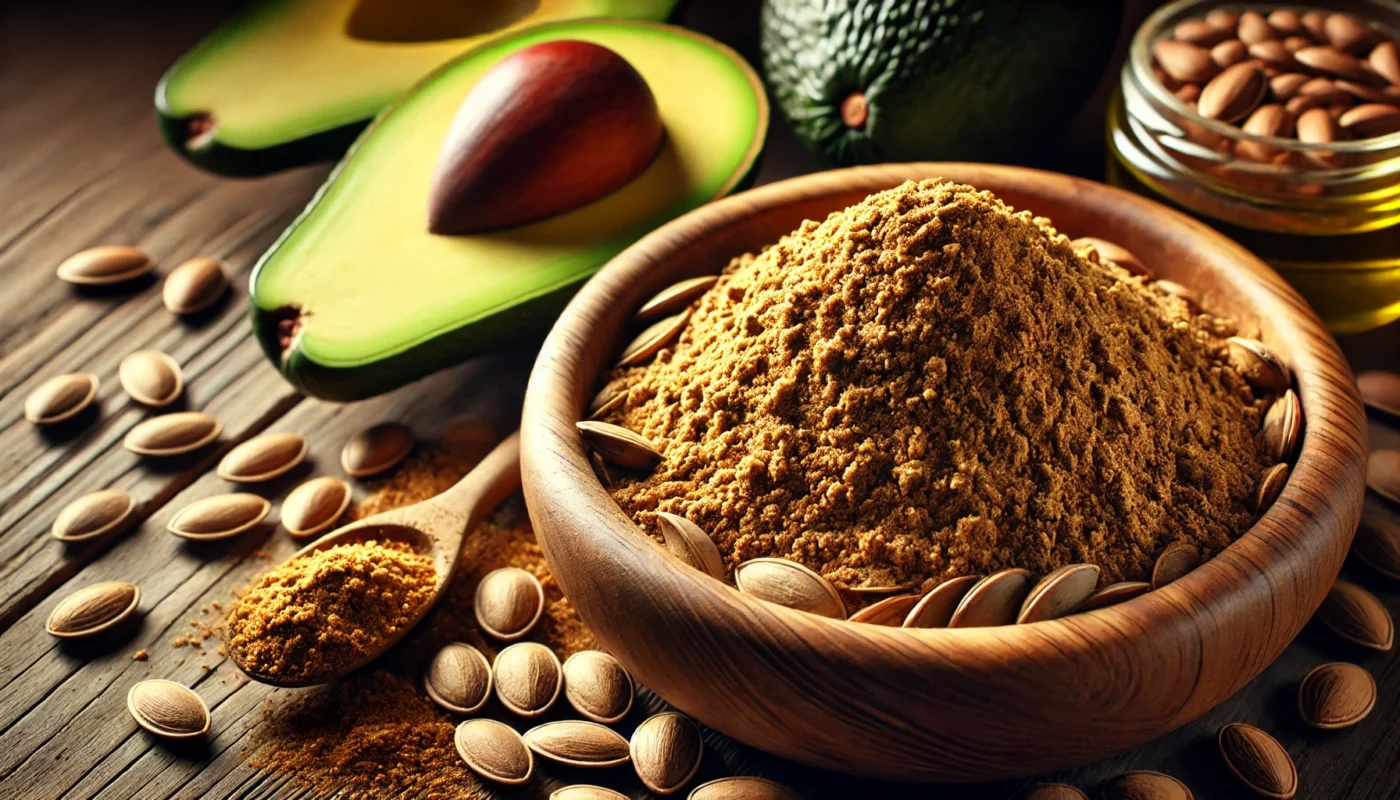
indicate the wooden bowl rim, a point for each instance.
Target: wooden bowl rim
{"x":555,"y":459}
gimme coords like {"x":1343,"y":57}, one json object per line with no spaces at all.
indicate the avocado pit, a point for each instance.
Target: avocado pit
{"x":549,"y":129}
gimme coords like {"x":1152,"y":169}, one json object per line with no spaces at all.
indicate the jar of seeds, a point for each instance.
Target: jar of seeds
{"x":1278,"y":124}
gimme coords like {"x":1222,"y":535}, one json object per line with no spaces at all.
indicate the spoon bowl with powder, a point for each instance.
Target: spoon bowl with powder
{"x":345,"y":599}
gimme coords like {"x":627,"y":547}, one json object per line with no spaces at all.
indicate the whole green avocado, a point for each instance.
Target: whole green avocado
{"x":865,"y":81}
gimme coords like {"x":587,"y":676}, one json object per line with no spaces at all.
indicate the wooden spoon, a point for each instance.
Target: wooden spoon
{"x":435,"y":527}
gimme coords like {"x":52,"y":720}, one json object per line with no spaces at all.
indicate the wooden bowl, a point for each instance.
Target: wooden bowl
{"x":943,"y":705}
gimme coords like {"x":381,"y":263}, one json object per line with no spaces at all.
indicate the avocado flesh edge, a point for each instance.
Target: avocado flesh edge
{"x":411,"y":342}
{"x":214,"y":75}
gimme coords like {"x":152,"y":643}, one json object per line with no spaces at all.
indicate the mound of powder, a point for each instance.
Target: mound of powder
{"x":928,"y":384}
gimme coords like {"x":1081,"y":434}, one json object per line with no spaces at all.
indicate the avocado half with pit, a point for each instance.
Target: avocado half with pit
{"x":934,"y":80}
{"x":290,"y":82}
{"x":358,"y":296}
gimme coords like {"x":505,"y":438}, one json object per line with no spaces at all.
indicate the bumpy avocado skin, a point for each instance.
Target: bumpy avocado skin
{"x":321,"y":146}
{"x":943,"y":79}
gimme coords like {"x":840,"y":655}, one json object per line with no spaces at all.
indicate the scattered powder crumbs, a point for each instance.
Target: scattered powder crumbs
{"x":928,"y":384}
{"x":375,"y":733}
{"x":329,"y":608}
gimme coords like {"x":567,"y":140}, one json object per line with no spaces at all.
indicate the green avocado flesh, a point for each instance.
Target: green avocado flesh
{"x":289,"y":82}
{"x":368,"y":300}
{"x":941,"y":80}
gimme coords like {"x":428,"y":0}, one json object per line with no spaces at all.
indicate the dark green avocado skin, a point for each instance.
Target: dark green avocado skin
{"x":235,"y":162}
{"x":973,"y":80}
{"x":347,"y":384}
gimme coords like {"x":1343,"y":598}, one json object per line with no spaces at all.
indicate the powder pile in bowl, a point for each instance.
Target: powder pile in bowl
{"x":929,"y":384}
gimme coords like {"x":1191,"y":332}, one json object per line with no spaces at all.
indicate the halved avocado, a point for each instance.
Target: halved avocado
{"x":289,"y":82}
{"x":357,"y":297}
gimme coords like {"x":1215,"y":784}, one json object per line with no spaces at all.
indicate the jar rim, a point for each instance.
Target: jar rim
{"x":1140,"y":61}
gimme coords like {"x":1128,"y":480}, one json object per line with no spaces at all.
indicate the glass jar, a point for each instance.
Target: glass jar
{"x":1327,"y":217}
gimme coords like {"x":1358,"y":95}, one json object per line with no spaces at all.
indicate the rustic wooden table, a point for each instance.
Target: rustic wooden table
{"x":81,"y":164}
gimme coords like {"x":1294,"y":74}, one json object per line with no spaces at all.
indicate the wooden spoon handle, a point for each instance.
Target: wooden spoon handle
{"x":490,"y":482}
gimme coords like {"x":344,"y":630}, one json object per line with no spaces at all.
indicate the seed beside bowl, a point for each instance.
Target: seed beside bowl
{"x":376,"y":449}
{"x":1146,"y":785}
{"x":315,"y":506}
{"x":60,"y":398}
{"x":105,"y":265}
{"x":527,"y":677}
{"x":173,"y":434}
{"x":263,"y":458}
{"x":581,"y":791}
{"x":788,"y":583}
{"x":1377,"y":542}
{"x":935,"y":609}
{"x":458,"y":678}
{"x":1177,"y":559}
{"x":1336,"y":695}
{"x":1357,"y":616}
{"x":494,"y":751}
{"x":92,"y":515}
{"x":1258,"y":760}
{"x":597,"y":686}
{"x":994,"y":600}
{"x":508,"y":603}
{"x":1059,"y":593}
{"x":194,"y":285}
{"x":93,"y":609}
{"x":1051,"y":791}
{"x":151,"y":378}
{"x":675,"y":297}
{"x":742,"y":788}
{"x":619,"y":446}
{"x":578,"y":743}
{"x":1383,"y":474}
{"x":168,"y":709}
{"x":688,"y":542}
{"x":219,"y":517}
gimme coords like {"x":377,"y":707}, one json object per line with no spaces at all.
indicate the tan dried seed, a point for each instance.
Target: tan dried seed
{"x":315,"y":506}
{"x":1223,"y":19}
{"x":1385,"y":60}
{"x":263,"y":458}
{"x":1370,"y":120}
{"x":219,"y":517}
{"x":675,"y":297}
{"x":1059,"y":593}
{"x":168,"y":709}
{"x":742,"y":788}
{"x":104,"y":265}
{"x":1383,"y":474}
{"x":1357,"y":616}
{"x":1051,"y":791}
{"x":1258,"y":760}
{"x":1315,"y":23}
{"x":1273,"y":53}
{"x":1377,"y":542}
{"x":1146,"y":785}
{"x":935,"y":609}
{"x":1284,"y":87}
{"x":1330,"y":61}
{"x":891,"y":611}
{"x":666,"y":751}
{"x":151,"y":378}
{"x":688,"y":542}
{"x":1229,"y":53}
{"x":1336,"y":695}
{"x":458,"y":678}
{"x":581,"y":791}
{"x":1177,"y":559}
{"x":994,"y":600}
{"x":508,"y":603}
{"x":60,"y":398}
{"x":619,"y":446}
{"x":597,"y":686}
{"x":1232,"y":94}
{"x":1258,"y":364}
{"x":194,"y":285}
{"x":494,"y":751}
{"x":788,"y":583}
{"x":1199,"y":32}
{"x":376,"y":449}
{"x":1253,"y":27}
{"x":1286,"y":21}
{"x":93,"y":609}
{"x":92,"y":515}
{"x":1349,"y":34}
{"x":1270,"y":486}
{"x":1282,"y":424}
{"x":653,"y":340}
{"x":1115,"y":593}
{"x":527,"y":677}
{"x":173,"y":434}
{"x":578,"y":743}
{"x":1184,"y":61}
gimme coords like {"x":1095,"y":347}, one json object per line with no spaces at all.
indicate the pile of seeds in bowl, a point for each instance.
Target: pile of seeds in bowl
{"x":935,"y":411}
{"x":1315,"y":76}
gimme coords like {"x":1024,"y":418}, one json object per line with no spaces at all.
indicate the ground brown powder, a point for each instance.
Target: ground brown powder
{"x":928,"y":384}
{"x":330,"y":608}
{"x":376,"y":734}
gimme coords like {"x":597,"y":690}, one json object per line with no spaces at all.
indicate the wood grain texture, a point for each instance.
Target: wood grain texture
{"x":944,"y":704}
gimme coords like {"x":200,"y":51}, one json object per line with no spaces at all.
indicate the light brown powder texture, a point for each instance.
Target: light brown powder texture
{"x":330,"y":608}
{"x":928,"y":384}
